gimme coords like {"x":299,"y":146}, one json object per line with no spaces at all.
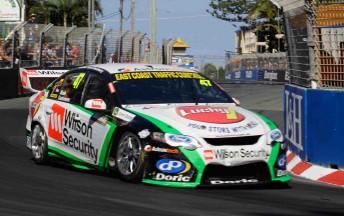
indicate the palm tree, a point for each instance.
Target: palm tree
{"x":63,"y":12}
{"x":63,"y":7}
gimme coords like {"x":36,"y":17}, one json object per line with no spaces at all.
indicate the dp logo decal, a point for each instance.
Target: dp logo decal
{"x":173,"y":166}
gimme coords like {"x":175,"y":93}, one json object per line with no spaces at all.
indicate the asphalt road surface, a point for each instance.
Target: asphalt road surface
{"x":30,"y":189}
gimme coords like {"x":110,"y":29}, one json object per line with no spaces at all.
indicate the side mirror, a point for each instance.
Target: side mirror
{"x":236,"y":100}
{"x":95,"y":104}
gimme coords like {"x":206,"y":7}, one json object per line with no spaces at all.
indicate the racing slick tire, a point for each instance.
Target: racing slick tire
{"x":130,"y":158}
{"x":39,"y":145}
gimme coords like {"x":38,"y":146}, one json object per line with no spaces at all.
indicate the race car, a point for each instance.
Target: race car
{"x":152,"y":123}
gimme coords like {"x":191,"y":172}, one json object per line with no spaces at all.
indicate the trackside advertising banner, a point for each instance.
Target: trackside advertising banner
{"x":245,"y":75}
{"x":267,"y":75}
{"x":314,"y":127}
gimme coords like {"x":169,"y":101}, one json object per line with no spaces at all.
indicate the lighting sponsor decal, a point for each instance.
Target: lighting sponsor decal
{"x":66,"y":127}
{"x":239,"y":181}
{"x":210,"y":114}
{"x":122,"y":114}
{"x":149,"y":148}
{"x":223,"y":154}
{"x":157,"y":75}
{"x":173,"y":166}
{"x":224,"y":130}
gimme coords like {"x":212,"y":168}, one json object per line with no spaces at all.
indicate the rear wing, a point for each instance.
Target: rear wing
{"x":35,"y":80}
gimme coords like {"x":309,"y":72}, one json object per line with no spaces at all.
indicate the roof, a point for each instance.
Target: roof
{"x":136,"y":67}
{"x":180,"y":44}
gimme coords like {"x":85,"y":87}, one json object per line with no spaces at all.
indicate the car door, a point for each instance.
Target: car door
{"x":75,"y":132}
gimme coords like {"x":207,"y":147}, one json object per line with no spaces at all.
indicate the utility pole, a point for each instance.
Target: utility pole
{"x":121,"y":15}
{"x":92,"y":10}
{"x":153,"y":33}
{"x":89,"y":14}
{"x":132,"y":15}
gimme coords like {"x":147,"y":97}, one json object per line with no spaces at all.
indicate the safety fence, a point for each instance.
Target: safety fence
{"x":40,"y":45}
{"x":315,"y":38}
{"x":314,"y":99}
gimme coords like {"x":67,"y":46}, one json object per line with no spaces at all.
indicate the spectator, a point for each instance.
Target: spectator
{"x":3,"y":53}
{"x":33,"y":19}
{"x":75,"y":54}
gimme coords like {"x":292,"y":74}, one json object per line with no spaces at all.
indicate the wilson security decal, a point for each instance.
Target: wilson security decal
{"x":79,"y":135}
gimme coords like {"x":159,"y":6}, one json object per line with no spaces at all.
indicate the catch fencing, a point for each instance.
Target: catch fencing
{"x":48,"y":46}
{"x":315,"y":37}
{"x":258,"y":67}
{"x":314,"y":99}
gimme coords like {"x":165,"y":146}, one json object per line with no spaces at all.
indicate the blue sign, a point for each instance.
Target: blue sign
{"x":170,"y":166}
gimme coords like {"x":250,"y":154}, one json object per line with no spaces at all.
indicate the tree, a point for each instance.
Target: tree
{"x":221,"y":73}
{"x":231,"y":10}
{"x":210,"y":70}
{"x":259,"y":14}
{"x":63,"y":12}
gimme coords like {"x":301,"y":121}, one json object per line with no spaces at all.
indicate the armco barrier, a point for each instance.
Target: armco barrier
{"x":9,"y":83}
{"x":314,"y":128}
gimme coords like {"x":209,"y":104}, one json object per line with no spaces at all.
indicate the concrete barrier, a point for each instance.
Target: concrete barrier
{"x":314,"y":128}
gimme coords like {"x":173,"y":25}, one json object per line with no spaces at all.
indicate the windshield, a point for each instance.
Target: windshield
{"x":167,"y":88}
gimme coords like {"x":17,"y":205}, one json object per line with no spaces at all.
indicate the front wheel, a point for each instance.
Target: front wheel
{"x":130,"y":158}
{"x":39,"y":145}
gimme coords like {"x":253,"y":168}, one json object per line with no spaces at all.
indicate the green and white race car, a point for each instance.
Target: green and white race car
{"x":155,"y":124}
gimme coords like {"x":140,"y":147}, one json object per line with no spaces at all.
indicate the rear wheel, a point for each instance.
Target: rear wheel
{"x":39,"y":146}
{"x":130,"y":158}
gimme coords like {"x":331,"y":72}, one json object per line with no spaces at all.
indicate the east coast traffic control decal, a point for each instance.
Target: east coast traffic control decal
{"x":156,"y":75}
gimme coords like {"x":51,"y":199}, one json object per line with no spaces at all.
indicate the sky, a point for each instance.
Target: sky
{"x":185,"y":19}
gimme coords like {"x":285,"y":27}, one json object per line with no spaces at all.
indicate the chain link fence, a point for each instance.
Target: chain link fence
{"x":48,"y":46}
{"x":315,"y":39}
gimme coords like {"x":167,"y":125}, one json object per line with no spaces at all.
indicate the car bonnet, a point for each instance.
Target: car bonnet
{"x":206,"y":121}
